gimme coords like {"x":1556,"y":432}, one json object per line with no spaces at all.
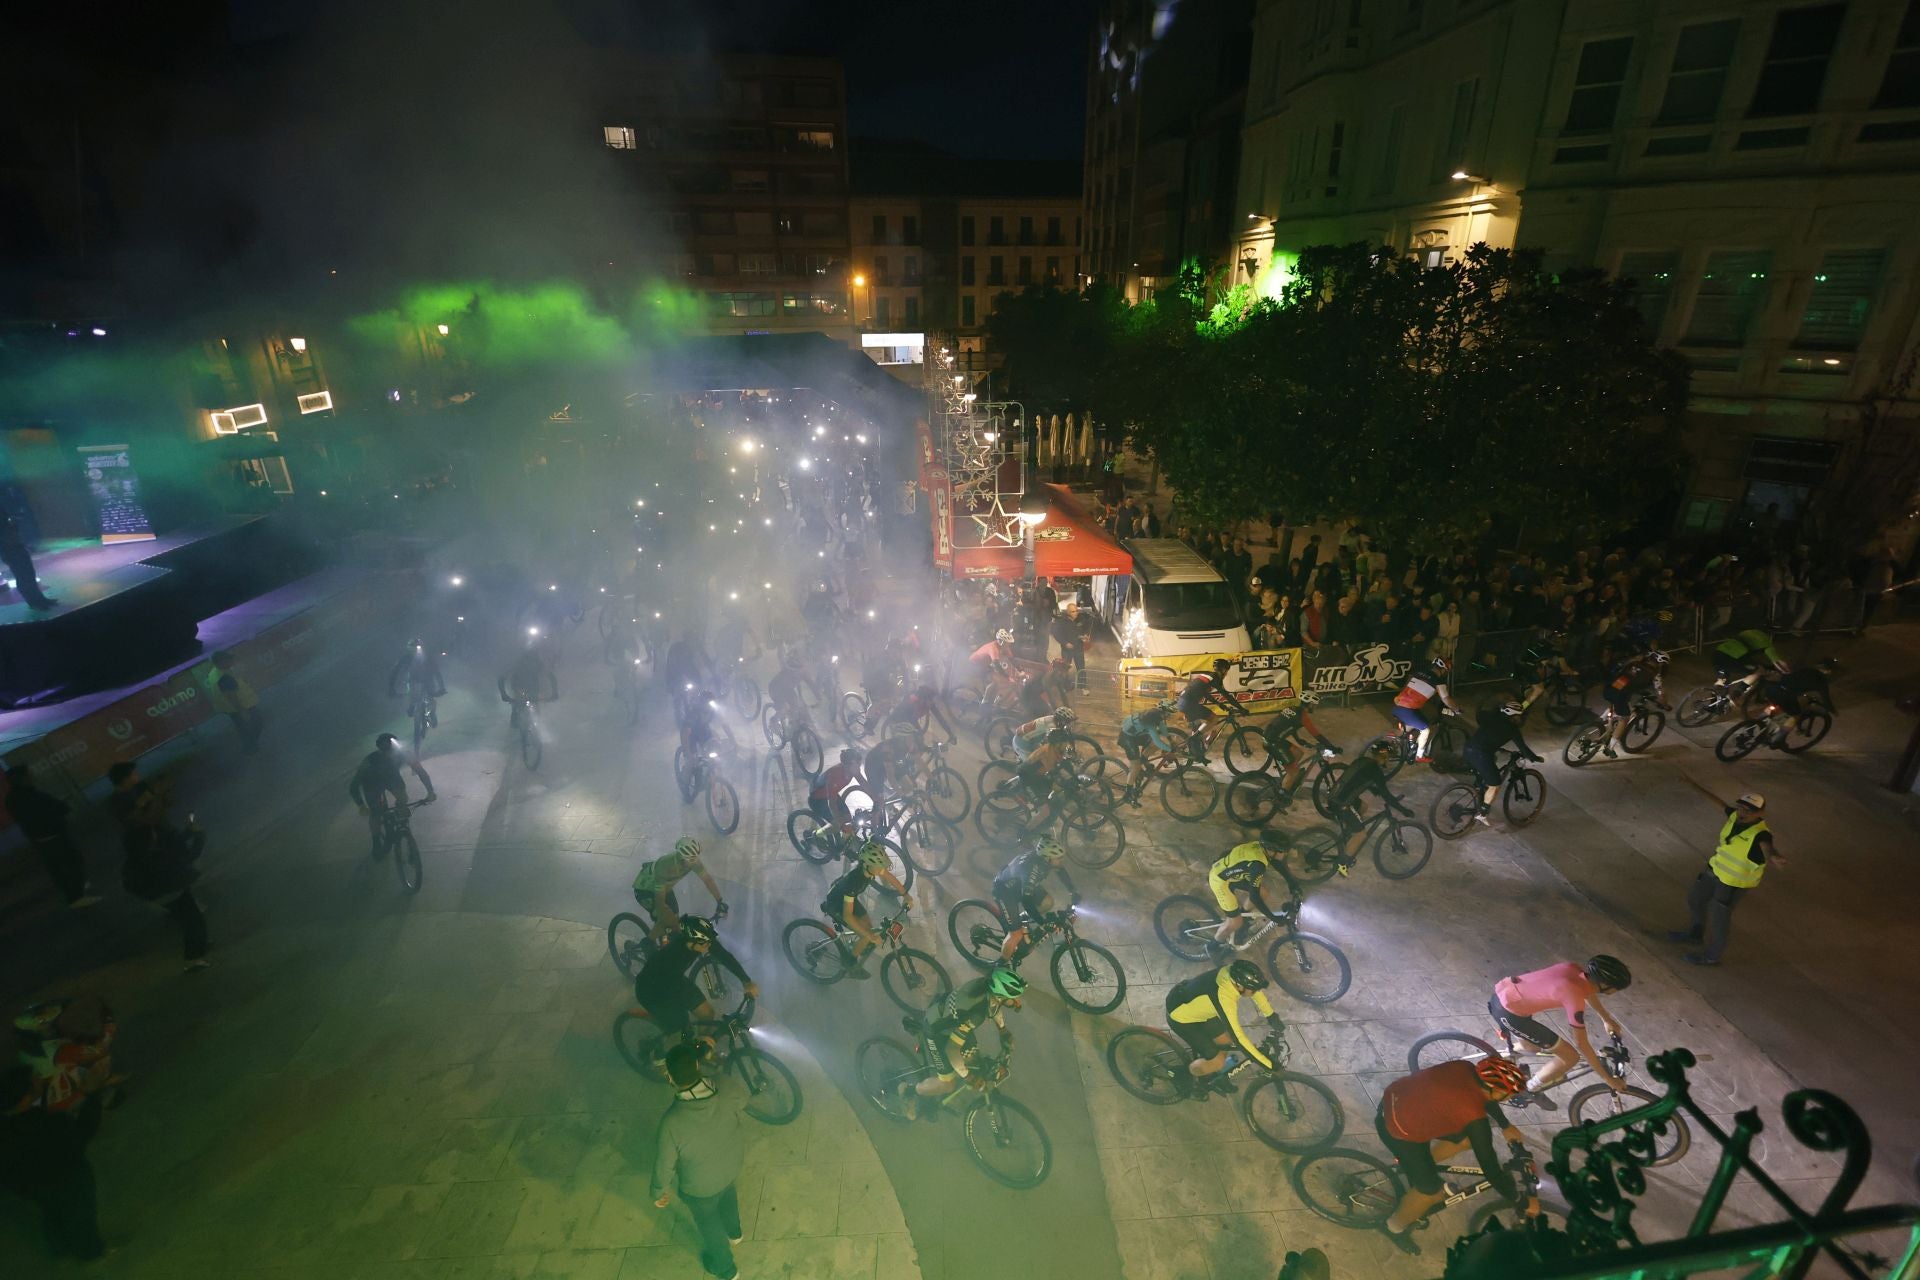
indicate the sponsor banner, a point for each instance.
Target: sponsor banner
{"x":1267,"y":678}
{"x":1369,"y":670}
{"x":940,"y":512}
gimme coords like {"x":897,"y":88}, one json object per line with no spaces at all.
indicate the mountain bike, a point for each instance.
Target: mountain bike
{"x":1358,"y":1190}
{"x":1086,"y":974}
{"x":794,"y":729}
{"x":1444,"y":745}
{"x":1079,"y":805}
{"x":772,"y":1088}
{"x":1523,"y":793}
{"x":626,"y":691}
{"x":524,"y":723}
{"x":1401,"y":846}
{"x":396,"y":836}
{"x":1003,"y":1137}
{"x":945,"y":790}
{"x":630,"y":943}
{"x":1288,"y":1111}
{"x":924,"y":838}
{"x":822,"y":951}
{"x":1775,"y":728}
{"x":1308,"y":966}
{"x":821,"y":842}
{"x":1595,"y":1102}
{"x":1716,"y":698}
{"x":425,"y":713}
{"x":1644,"y":725}
{"x":733,"y":684}
{"x":1256,"y":799}
{"x":704,"y":773}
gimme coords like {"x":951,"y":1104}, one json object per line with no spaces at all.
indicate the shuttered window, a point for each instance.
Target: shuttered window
{"x":1650,"y":275}
{"x":1842,"y":295}
{"x":1731,"y":290}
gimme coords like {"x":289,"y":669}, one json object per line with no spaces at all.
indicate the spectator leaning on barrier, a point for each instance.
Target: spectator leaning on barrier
{"x":229,"y":694}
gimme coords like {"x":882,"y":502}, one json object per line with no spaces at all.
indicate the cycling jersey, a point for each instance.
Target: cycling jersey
{"x":1442,"y":1101}
{"x":1240,"y":869}
{"x":1286,"y":726}
{"x":1028,"y":737}
{"x":1420,"y":690}
{"x":1212,"y":997}
{"x":1022,"y":883}
{"x":991,"y":651}
{"x":662,"y":986}
{"x":833,"y":783}
{"x":1195,"y":693}
{"x":1789,"y":689}
{"x":845,"y":893}
{"x":1496,"y":731}
{"x":529,"y":677}
{"x":1143,"y":727}
{"x":1564,"y":985}
{"x":1363,"y":774}
{"x":949,"y":1028}
{"x":661,"y":874}
{"x":1749,"y":642}
{"x":784,"y":689}
{"x":418,"y":673}
{"x":378,"y":778}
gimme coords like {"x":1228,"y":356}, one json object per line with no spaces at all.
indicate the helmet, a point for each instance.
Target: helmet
{"x":1049,"y":848}
{"x":1064,"y":716}
{"x":1609,"y":972}
{"x":687,"y":849}
{"x":1273,"y":840}
{"x":1309,"y":699}
{"x":1659,"y":658}
{"x":698,"y":928}
{"x":1497,"y":1072}
{"x":1222,"y":664}
{"x":385,"y":742}
{"x":873,"y":856}
{"x":1512,"y":708}
{"x":1004,"y":636}
{"x":38,"y":1017}
{"x":1006,"y":984}
{"x":850,"y":758}
{"x":1246,"y":975}
{"x":1440,"y":665}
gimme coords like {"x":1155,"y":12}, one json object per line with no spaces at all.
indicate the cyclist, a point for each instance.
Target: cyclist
{"x":818,"y":610}
{"x":1624,"y":684}
{"x":949,"y":1040}
{"x":1363,"y":775}
{"x":1239,"y":871}
{"x":1020,"y":890}
{"x":1793,"y":691}
{"x":827,"y":800}
{"x":1737,"y":658}
{"x":418,"y":672}
{"x":1457,"y":1104}
{"x":992,"y":657}
{"x":843,"y":907}
{"x":1139,"y":732}
{"x":784,"y":692}
{"x":529,"y":679}
{"x":1498,"y":728}
{"x":653,"y":887}
{"x":918,"y":711}
{"x":666,"y":994}
{"x":696,"y":724}
{"x":1037,"y":742}
{"x":1282,"y":736}
{"x":1204,"y":1011}
{"x":1413,"y":705}
{"x":1201,"y":690}
{"x":685,"y":665}
{"x":1572,"y":988}
{"x":377,"y":783}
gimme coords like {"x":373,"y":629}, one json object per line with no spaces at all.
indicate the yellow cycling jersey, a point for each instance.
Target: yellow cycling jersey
{"x":1240,"y":868}
{"x":1199,"y":1001}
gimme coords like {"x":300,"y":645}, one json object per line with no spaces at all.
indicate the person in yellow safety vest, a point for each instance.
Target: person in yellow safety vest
{"x":1741,"y":856}
{"x":229,"y":693}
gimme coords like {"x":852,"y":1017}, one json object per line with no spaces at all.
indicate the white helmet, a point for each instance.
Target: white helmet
{"x":1004,"y":636}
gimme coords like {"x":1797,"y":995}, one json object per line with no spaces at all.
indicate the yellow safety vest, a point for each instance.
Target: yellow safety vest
{"x":1730,"y":861}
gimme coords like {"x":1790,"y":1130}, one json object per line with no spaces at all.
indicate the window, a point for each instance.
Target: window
{"x":1649,"y":274}
{"x":1053,"y":271}
{"x":756,"y":264}
{"x":620,"y":137}
{"x":1336,"y":143}
{"x":813,"y":139}
{"x":996,"y":230}
{"x":1699,"y":74}
{"x":751,"y":180}
{"x":1597,"y":84}
{"x":811,"y":182}
{"x":909,"y":229}
{"x":1731,"y":290}
{"x":826,"y":223}
{"x":913,"y":311}
{"x":996,"y":270}
{"x":715,"y":264}
{"x":1900,"y":87}
{"x":1389,"y":176}
{"x":1841,"y":297}
{"x":967,"y":314}
{"x":753,"y":222}
{"x":883,"y":310}
{"x":1053,"y":224}
{"x":879,"y":228}
{"x":966,"y":269}
{"x":910,"y":273}
{"x":1025,"y":270}
{"x":680,"y":265}
{"x":1026,"y":230}
{"x":1459,"y":128}
{"x":1686,"y":144}
{"x":744,"y":304}
{"x":966,"y":230}
{"x":820,"y":264}
{"x":678,"y":222}
{"x":714,"y":222}
{"x":746,"y":138}
{"x":881,"y":271}
{"x":1796,"y":65}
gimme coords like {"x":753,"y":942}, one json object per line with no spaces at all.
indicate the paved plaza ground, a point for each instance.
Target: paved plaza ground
{"x":371,"y":1085}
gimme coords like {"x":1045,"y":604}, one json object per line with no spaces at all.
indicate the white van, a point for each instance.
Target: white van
{"x":1173,"y":603}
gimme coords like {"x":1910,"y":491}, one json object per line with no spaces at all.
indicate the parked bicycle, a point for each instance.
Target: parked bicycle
{"x":1645,"y":723}
{"x":822,"y":951}
{"x":1523,"y":793}
{"x":1288,"y":1111}
{"x":1776,"y":728}
{"x":1309,"y":966}
{"x":1086,"y":974}
{"x":704,"y":774}
{"x":773,"y":1090}
{"x":1002,"y":1136}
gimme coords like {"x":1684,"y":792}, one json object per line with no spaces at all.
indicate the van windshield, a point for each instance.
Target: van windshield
{"x":1190,"y":606}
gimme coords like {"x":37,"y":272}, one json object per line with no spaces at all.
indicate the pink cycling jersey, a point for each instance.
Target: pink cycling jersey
{"x":1565,"y":985}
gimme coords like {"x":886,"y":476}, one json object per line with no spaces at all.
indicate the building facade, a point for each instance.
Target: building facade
{"x":1753,"y":167}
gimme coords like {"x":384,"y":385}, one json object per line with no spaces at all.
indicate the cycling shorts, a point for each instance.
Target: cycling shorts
{"x":1621,"y":700}
{"x":1226,"y":895}
{"x":830,"y":908}
{"x":1531,"y":1030}
{"x":1416,"y":1158}
{"x":1135,"y":744}
{"x":1415,"y":718}
{"x":1201,"y":1037}
{"x":645,"y":898}
{"x":670,"y":1004}
{"x":1480,"y":760}
{"x":1196,"y":716}
{"x":1013,"y":907}
{"x":823,"y":809}
{"x":934,"y":1047}
{"x":1726,"y":666}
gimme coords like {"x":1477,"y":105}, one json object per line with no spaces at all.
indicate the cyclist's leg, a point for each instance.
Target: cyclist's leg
{"x":941,"y":1079}
{"x":1232,"y":918}
{"x":376,"y":823}
{"x":1208,"y":1041}
{"x":1013,"y":912}
{"x":1481,"y":763}
{"x":1538,"y":1036}
{"x":1622,"y":716}
{"x":1417,"y":1166}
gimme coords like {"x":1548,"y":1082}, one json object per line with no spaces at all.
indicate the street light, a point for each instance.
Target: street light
{"x":1461,"y":175}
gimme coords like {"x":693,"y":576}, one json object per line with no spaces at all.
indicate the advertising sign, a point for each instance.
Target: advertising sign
{"x":1369,"y":670}
{"x":1269,"y":676}
{"x":115,"y":488}
{"x":940,"y":512}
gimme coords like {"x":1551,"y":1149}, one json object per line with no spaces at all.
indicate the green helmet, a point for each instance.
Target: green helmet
{"x":873,"y":856}
{"x":1049,"y":848}
{"x":1006,"y":984}
{"x":687,"y":849}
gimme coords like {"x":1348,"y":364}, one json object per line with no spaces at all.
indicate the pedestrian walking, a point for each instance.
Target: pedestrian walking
{"x":42,"y":819}
{"x":160,"y":857}
{"x":19,"y":560}
{"x":229,"y":693}
{"x":1742,"y":855}
{"x":699,"y":1151}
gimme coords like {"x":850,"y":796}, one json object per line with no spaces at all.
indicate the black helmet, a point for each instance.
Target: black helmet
{"x":1222,"y":664}
{"x":1247,"y":976}
{"x":385,"y":742}
{"x":698,"y":928}
{"x":850,"y":758}
{"x":1609,"y":972}
{"x":1273,"y":840}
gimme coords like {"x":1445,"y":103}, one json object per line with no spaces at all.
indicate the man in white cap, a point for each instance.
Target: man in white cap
{"x":1744,"y":851}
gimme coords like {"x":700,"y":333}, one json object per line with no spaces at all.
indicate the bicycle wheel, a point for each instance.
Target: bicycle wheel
{"x":1189,"y":793}
{"x":855,"y":713}
{"x":1293,"y":1113}
{"x":1396,"y":754}
{"x":813,"y":952}
{"x":1453,"y":811}
{"x":929,"y":844}
{"x":683,"y":775}
{"x":1151,"y":1065}
{"x":639,"y":1041}
{"x":977,"y":932}
{"x":419,"y":728}
{"x":1088,"y":976}
{"x":1324,"y":781}
{"x":1807,"y":730}
{"x":809,"y":757}
{"x":969,"y":704}
{"x":997,"y":737}
{"x":1253,"y":799}
{"x":530,"y":748}
{"x":1401,"y":849}
{"x":772,"y":1088}
{"x":1583,"y":746}
{"x":1566,"y":703}
{"x":1004,"y":818}
{"x":883,"y":1065}
{"x":746,"y":695}
{"x":1093,"y":839}
{"x":1597,"y":1102}
{"x":1246,"y":751}
{"x":947,"y":795}
{"x":1644,"y":730}
{"x":808,"y":836}
{"x":773,"y":728}
{"x":723,"y":806}
{"x":1446,"y":1046}
{"x":1754,"y":701}
{"x":913,"y":979}
{"x":1445,"y":744}
{"x":627,"y":943}
{"x":1006,"y":1141}
{"x":1310,"y":967}
{"x":1700,"y":706}
{"x":1347,"y":1187}
{"x":1086,"y":753}
{"x":406,"y":861}
{"x":1185,"y":925}
{"x":1736,"y":742}
{"x":1525,"y":796}
{"x":1314,"y":855}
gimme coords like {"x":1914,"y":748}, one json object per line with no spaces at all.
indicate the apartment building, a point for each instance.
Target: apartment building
{"x":1754,"y":167}
{"x":747,"y":159}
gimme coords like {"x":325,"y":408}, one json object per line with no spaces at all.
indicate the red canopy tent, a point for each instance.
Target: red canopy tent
{"x":1067,"y":544}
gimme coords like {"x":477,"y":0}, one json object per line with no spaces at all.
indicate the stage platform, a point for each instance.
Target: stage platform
{"x":130,"y":610}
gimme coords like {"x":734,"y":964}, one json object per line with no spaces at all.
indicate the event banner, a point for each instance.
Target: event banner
{"x":1268,"y":677}
{"x":115,"y":488}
